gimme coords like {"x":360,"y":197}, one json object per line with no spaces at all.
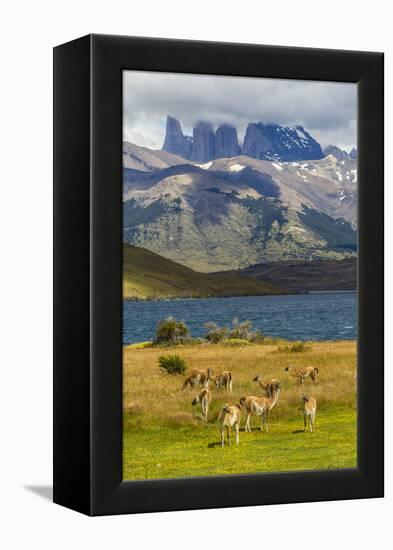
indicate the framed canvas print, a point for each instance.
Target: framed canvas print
{"x":218,"y":275}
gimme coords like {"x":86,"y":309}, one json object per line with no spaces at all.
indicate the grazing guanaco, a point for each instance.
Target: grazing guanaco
{"x":301,"y":373}
{"x":230,"y":415}
{"x":223,"y":379}
{"x":268,"y":387}
{"x":260,"y":406}
{"x":203,"y":398}
{"x":198,"y":377}
{"x":309,"y":411}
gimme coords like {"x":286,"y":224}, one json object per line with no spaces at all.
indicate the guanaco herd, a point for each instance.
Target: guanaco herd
{"x":230,"y":415}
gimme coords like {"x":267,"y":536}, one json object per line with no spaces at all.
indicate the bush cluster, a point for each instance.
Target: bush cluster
{"x":239,"y":331}
{"x":296,"y":347}
{"x":215,"y":334}
{"x":170,"y":331}
{"x":173,"y":364}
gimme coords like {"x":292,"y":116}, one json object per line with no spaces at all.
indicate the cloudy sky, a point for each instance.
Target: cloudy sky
{"x":327,"y":110}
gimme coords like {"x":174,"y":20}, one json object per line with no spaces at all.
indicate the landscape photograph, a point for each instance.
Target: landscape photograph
{"x":239,"y":275}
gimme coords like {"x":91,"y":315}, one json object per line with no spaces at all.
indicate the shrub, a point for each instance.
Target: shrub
{"x":215,"y":334}
{"x":296,"y":347}
{"x":236,"y":342}
{"x":171,"y":331}
{"x":243,"y":330}
{"x":240,"y":329}
{"x":173,"y":364}
{"x":257,"y":337}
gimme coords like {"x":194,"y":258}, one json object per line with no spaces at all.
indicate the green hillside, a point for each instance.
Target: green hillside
{"x":147,"y":275}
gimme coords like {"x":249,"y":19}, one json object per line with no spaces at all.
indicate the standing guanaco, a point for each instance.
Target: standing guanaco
{"x":204,"y":398}
{"x":260,"y":406}
{"x":268,"y":387}
{"x":223,"y":379}
{"x":309,"y":411}
{"x":230,"y":415}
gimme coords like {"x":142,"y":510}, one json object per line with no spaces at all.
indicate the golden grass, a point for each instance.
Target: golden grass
{"x":153,"y":397}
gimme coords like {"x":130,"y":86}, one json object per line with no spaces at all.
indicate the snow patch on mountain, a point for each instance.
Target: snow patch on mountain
{"x":205,"y":166}
{"x":236,"y":167}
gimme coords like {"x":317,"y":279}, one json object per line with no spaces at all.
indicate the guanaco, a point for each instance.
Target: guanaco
{"x":268,"y":387}
{"x":198,"y":377}
{"x":230,"y":415}
{"x":203,"y":398}
{"x":223,"y":379}
{"x":301,"y":373}
{"x":309,"y":411}
{"x":260,"y":406}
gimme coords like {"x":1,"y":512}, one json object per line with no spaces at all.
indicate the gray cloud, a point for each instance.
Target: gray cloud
{"x":326,"y":109}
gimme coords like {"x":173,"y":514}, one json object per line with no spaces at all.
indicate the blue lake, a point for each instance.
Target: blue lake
{"x":314,"y":316}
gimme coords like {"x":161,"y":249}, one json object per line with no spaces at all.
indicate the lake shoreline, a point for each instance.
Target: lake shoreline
{"x":206,"y":297}
{"x":271,"y":341}
{"x":202,"y":297}
{"x":306,"y":317}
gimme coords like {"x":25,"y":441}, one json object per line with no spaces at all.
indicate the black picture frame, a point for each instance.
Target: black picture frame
{"x":88,"y":274}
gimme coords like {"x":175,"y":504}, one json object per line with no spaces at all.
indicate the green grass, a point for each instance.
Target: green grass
{"x":166,"y":452}
{"x":164,"y":437}
{"x":147,"y":275}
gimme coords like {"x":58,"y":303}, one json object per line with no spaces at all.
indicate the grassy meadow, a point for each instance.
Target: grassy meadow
{"x":163,"y":437}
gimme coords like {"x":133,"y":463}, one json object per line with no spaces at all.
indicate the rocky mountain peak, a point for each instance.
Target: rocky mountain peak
{"x":175,"y":141}
{"x":285,"y":143}
{"x":262,"y":141}
{"x":226,"y":144}
{"x":256,"y":143}
{"x":203,"y":141}
{"x":338,"y":153}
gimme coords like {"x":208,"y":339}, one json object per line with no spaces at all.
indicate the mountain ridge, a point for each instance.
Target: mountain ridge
{"x":317,"y":276}
{"x":230,"y":213}
{"x":261,"y":141}
{"x":149,"y":276}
